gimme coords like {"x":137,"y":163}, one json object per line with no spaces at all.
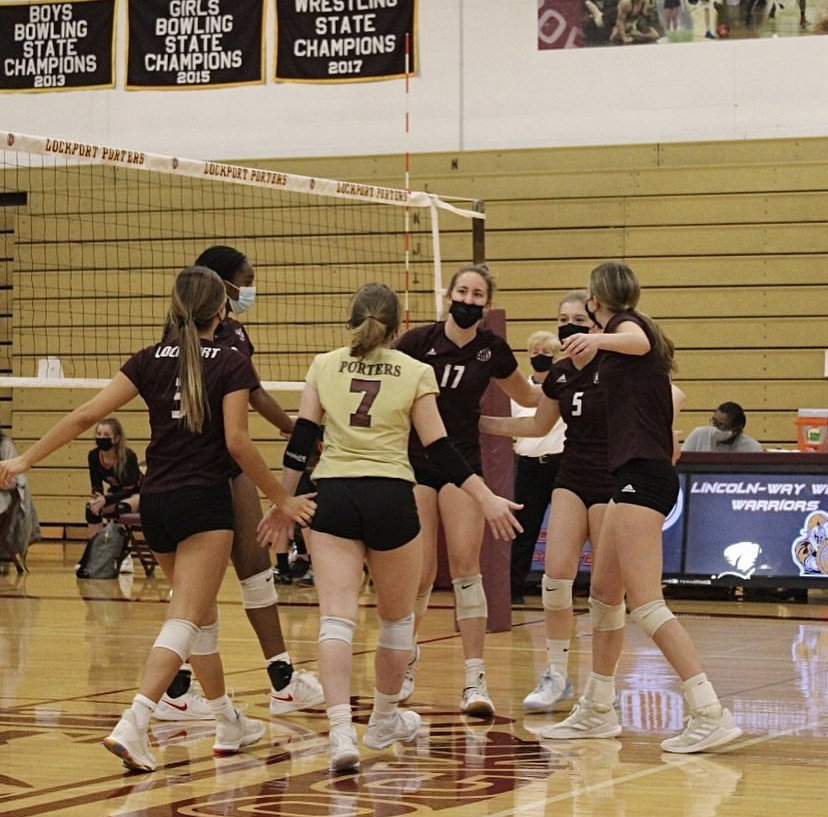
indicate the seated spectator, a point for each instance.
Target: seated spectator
{"x":115,"y":477}
{"x":113,"y":467}
{"x":725,"y":433}
{"x":19,"y":525}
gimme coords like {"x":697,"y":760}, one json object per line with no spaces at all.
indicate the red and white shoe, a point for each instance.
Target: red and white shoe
{"x":191,"y":706}
{"x":303,"y":692}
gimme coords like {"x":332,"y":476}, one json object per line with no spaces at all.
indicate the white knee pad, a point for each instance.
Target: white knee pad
{"x":651,"y":616}
{"x":469,"y":597}
{"x":258,"y":591}
{"x":178,"y":636}
{"x":332,"y":628}
{"x":421,"y":603}
{"x":607,"y":616}
{"x":397,"y":635}
{"x":556,"y":593}
{"x":207,"y":640}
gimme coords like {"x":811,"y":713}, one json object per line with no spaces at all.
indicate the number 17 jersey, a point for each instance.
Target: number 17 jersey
{"x":367,"y":403}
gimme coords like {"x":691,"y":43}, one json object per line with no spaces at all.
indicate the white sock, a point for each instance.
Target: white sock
{"x":222,"y":706}
{"x":557,"y":654}
{"x":339,"y":715}
{"x":701,"y":697}
{"x":385,"y":706}
{"x":142,"y":707}
{"x":474,"y":669}
{"x":600,"y":689}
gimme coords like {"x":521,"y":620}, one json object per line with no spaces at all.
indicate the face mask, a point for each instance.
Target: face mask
{"x":247,"y":295}
{"x":465,"y":315}
{"x":721,"y":436}
{"x":104,"y":443}
{"x":567,"y":330}
{"x":541,"y":363}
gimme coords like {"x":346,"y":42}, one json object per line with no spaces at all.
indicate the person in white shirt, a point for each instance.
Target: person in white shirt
{"x":536,"y":466}
{"x":724,"y":434}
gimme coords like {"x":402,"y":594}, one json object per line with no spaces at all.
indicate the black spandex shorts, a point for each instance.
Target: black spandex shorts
{"x":588,"y":499}
{"x":379,"y":511}
{"x":649,"y":483}
{"x":170,"y":518}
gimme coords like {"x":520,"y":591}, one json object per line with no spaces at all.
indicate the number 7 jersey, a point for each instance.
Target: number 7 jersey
{"x":367,"y":403}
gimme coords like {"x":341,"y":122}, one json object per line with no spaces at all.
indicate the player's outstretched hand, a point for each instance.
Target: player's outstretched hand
{"x":9,"y":469}
{"x":294,"y":510}
{"x":498,"y":511}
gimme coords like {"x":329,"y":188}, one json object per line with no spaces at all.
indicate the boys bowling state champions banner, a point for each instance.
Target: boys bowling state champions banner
{"x":54,"y":46}
{"x":344,"y":40}
{"x":195,"y":43}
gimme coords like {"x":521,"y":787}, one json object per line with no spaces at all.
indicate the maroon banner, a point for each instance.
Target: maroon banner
{"x":559,"y":24}
{"x":577,"y":23}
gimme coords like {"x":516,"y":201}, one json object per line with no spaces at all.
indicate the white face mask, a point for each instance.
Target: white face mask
{"x":720,"y":436}
{"x":247,"y":295}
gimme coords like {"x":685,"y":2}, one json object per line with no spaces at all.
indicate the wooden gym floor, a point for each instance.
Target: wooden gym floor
{"x":71,"y":653}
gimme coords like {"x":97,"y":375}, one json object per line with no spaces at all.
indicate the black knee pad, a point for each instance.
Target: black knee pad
{"x":92,"y":518}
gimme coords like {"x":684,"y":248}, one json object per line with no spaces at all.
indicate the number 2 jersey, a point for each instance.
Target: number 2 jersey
{"x":177,"y":457}
{"x":367,"y":403}
{"x":463,"y":375}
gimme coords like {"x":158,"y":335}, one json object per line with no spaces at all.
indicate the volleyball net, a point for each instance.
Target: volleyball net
{"x":94,"y":235}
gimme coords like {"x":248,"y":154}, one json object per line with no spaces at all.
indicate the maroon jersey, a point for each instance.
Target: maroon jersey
{"x":580,"y":398}
{"x":177,"y":457}
{"x":233,"y":334}
{"x":639,"y":401}
{"x":463,"y":374}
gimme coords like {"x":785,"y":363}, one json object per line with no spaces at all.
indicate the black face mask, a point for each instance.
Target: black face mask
{"x":104,"y":443}
{"x":541,"y":363}
{"x":465,"y":315}
{"x":567,"y":330}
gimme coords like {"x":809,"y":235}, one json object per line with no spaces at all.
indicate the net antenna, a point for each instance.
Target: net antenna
{"x":94,"y":236}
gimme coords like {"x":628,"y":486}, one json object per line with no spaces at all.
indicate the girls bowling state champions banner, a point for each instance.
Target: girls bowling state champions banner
{"x":195,"y":43}
{"x":344,"y":40}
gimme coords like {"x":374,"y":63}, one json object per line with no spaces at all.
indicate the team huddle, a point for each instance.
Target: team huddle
{"x":400,"y":421}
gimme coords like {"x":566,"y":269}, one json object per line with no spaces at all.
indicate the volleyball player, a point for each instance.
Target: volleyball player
{"x":370,"y":396}
{"x":583,"y":487}
{"x":465,"y":357}
{"x":291,"y":689}
{"x":197,"y":394}
{"x":634,"y":374}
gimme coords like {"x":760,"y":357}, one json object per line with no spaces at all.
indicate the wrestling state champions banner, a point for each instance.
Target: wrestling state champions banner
{"x":195,"y":43}
{"x":56,"y":46}
{"x":344,"y":40}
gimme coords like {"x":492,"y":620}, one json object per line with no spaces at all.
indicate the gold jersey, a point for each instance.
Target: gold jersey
{"x":367,"y":403}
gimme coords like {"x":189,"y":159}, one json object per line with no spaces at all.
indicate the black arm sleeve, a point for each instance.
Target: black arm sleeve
{"x":448,"y":461}
{"x":301,"y":446}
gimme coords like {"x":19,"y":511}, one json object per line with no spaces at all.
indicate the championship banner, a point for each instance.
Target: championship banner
{"x":344,"y":40}
{"x":57,"y":46}
{"x":195,"y":43}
